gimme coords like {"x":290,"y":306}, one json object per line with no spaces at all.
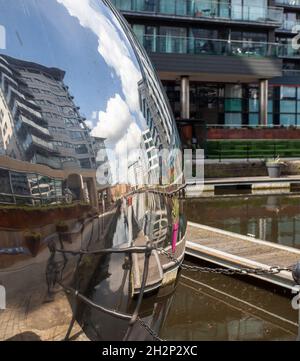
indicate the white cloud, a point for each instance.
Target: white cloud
{"x":111,"y":46}
{"x":114,"y":122}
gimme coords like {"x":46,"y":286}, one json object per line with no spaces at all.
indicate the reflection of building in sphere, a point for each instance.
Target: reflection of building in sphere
{"x":102,"y":158}
{"x":39,"y":121}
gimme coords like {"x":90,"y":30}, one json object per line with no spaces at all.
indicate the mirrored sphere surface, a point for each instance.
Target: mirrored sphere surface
{"x":88,"y":150}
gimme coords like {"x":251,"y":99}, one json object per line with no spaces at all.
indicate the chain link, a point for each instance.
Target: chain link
{"x":241,"y":271}
{"x":149,"y":330}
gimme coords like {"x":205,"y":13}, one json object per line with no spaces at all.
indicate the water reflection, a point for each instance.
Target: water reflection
{"x":220,"y":308}
{"x":270,"y":218}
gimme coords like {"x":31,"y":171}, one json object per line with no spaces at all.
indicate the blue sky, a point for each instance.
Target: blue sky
{"x":43,"y":32}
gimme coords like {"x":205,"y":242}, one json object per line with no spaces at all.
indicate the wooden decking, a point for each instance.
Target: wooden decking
{"x":232,"y":250}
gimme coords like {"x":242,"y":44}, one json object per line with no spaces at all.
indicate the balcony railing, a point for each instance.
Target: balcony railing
{"x":288,"y":51}
{"x":288,"y":2}
{"x":34,"y":140}
{"x":24,"y":120}
{"x":203,"y":9}
{"x":291,"y":72}
{"x":201,"y":46}
{"x":290,"y":25}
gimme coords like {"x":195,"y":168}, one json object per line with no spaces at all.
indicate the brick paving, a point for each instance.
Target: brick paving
{"x":34,"y":319}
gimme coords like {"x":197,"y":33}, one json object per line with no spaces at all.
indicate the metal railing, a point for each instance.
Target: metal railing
{"x":288,"y":2}
{"x":288,"y":51}
{"x":204,"y":46}
{"x":289,"y":25}
{"x":291,"y":72}
{"x":203,"y":9}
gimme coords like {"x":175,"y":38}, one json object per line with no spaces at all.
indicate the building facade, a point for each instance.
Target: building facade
{"x":39,"y":121}
{"x":228,"y":66}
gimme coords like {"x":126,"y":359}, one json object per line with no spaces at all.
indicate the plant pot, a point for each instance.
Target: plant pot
{"x":274,"y":170}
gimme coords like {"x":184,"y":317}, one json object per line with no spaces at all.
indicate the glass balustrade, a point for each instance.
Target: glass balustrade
{"x":185,"y":45}
{"x":205,"y":9}
{"x":291,"y":25}
{"x":288,"y":2}
{"x":288,"y":51}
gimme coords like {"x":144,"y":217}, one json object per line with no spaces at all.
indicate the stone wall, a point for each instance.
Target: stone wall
{"x":235,"y":169}
{"x":247,"y":169}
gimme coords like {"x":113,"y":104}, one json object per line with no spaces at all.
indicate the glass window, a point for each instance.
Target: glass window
{"x":233,"y":105}
{"x":81,"y":149}
{"x":139,"y":31}
{"x":288,"y":92}
{"x":76,"y":135}
{"x":173,"y":40}
{"x":58,"y":184}
{"x":224,"y":10}
{"x":233,"y":118}
{"x":255,"y":10}
{"x":270,"y":106}
{"x":167,"y":6}
{"x":85,"y":163}
{"x":288,"y":106}
{"x":253,"y":105}
{"x":5,"y":187}
{"x":253,"y":119}
{"x":270,"y":119}
{"x":20,"y":183}
{"x":46,"y":188}
{"x":287,"y":119}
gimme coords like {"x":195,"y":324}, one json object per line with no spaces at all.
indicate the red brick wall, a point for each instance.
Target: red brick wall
{"x":278,"y":133}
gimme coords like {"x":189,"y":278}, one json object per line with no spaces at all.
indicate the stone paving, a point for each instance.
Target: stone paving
{"x":35,"y":319}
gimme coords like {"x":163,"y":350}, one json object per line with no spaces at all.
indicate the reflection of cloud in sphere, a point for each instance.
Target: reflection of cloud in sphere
{"x":112,"y":123}
{"x":112,"y":47}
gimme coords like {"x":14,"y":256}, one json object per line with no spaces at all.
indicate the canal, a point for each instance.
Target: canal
{"x":270,"y":218}
{"x":217,"y":307}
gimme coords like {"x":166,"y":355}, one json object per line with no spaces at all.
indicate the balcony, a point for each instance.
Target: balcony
{"x":288,"y":51}
{"x":22,"y":120}
{"x":291,"y":72}
{"x":289,"y":26}
{"x":50,"y":162}
{"x":38,"y":142}
{"x":201,"y":46}
{"x":289,"y":3}
{"x":199,"y":9}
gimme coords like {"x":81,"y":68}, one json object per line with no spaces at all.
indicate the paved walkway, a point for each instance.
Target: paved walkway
{"x":34,"y":319}
{"x":236,"y":251}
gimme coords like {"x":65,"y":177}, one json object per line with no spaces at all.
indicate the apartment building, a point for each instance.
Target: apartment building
{"x":231,"y":70}
{"x":39,"y":120}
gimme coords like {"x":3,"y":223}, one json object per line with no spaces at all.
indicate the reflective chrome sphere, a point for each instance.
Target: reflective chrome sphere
{"x":88,"y":149}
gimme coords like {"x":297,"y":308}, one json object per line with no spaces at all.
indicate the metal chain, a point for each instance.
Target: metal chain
{"x":149,"y":330}
{"x":242,"y":271}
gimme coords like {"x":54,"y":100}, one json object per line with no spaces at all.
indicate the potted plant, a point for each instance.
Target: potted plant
{"x":274,"y":167}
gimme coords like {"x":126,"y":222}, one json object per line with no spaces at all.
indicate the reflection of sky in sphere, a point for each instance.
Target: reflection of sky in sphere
{"x":105,"y":87}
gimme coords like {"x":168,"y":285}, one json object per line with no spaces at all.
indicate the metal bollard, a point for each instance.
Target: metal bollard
{"x":296,"y":273}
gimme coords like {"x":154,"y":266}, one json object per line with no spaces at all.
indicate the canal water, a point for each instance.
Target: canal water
{"x":271,"y":218}
{"x":208,"y":307}
{"x":217,"y":307}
